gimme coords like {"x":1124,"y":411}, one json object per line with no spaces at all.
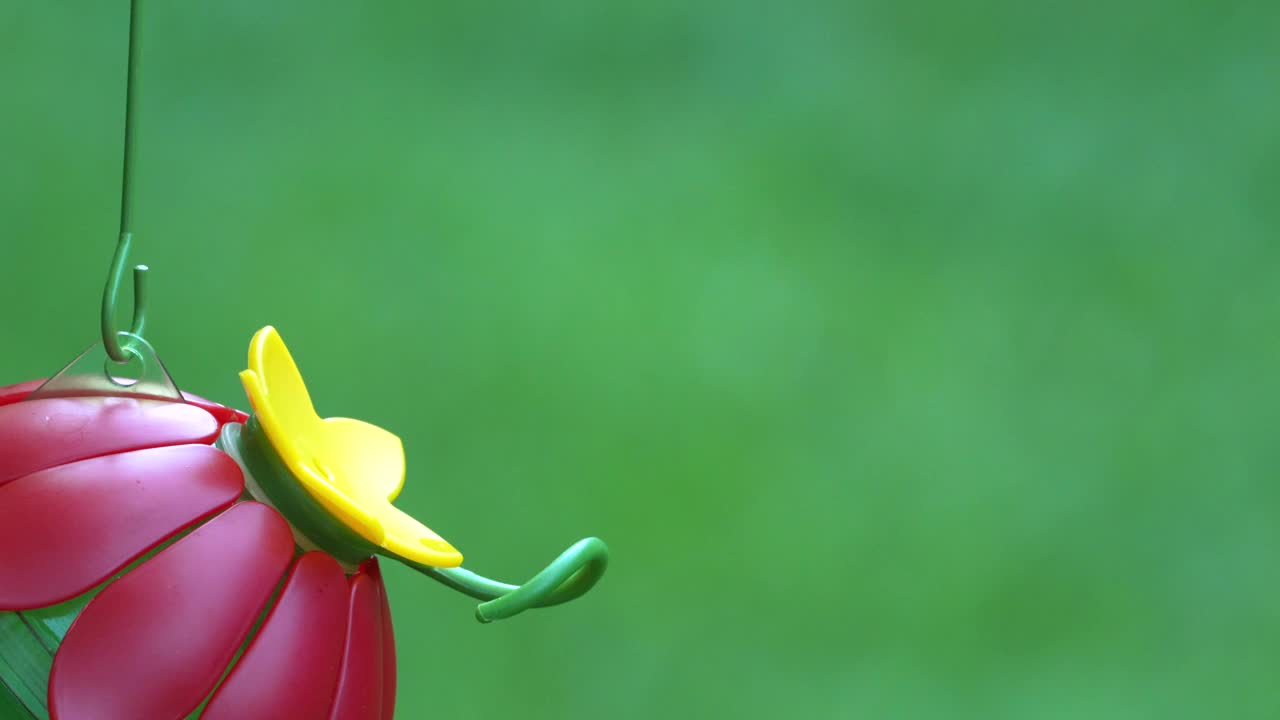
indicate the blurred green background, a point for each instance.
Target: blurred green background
{"x":917,"y":360}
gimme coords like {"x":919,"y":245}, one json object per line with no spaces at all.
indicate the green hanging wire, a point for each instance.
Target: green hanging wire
{"x":115,"y":276}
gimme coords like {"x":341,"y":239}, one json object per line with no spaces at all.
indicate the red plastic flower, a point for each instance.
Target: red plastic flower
{"x":173,"y":532}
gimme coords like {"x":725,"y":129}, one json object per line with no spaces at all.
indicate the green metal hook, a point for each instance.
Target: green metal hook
{"x":110,"y":296}
{"x":568,"y":577}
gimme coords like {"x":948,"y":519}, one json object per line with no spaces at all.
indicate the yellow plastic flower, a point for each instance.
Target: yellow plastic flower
{"x":353,"y":469}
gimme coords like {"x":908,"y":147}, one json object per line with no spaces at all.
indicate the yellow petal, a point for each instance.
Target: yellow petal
{"x":353,"y":469}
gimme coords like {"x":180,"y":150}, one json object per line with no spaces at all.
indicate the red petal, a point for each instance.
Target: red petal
{"x":41,"y":434}
{"x":359,"y":694}
{"x":15,"y":393}
{"x":371,"y":567}
{"x":291,"y":668}
{"x":68,"y":528}
{"x":223,"y":413}
{"x":388,"y":661}
{"x":156,"y":641}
